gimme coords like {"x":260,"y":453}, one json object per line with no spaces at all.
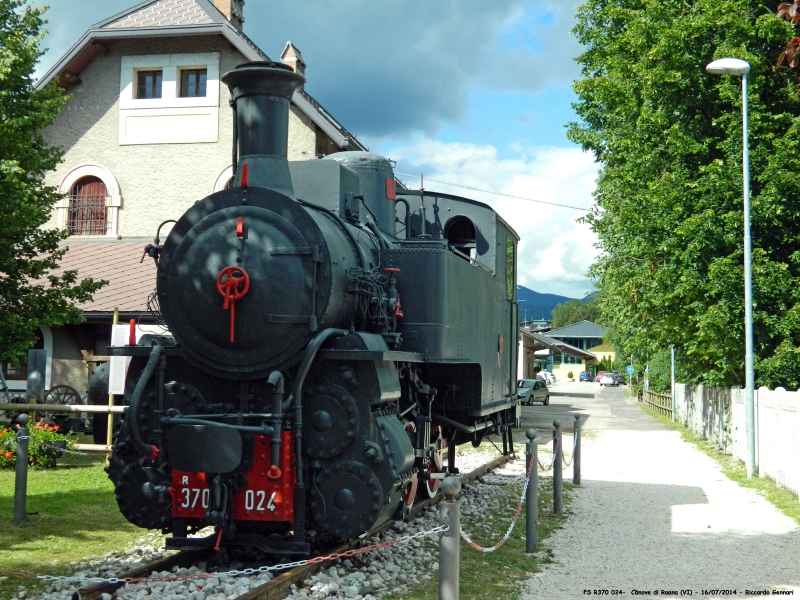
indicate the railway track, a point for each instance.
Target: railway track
{"x":278,"y":587}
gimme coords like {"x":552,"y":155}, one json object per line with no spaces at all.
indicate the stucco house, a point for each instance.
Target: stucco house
{"x":146,"y":132}
{"x":577,"y":347}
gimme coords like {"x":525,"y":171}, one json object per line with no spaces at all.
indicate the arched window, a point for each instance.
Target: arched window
{"x":88,"y":213}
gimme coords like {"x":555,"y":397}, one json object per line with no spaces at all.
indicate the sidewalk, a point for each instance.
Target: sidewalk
{"x":655,"y":513}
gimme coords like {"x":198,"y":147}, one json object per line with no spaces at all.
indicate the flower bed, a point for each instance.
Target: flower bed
{"x":46,"y":444}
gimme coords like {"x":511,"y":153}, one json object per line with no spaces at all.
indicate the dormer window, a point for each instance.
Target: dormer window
{"x":193,"y":83}
{"x":148,"y":84}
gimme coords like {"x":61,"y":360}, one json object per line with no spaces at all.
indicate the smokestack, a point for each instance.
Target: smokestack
{"x":261,"y":92}
{"x":233,"y":11}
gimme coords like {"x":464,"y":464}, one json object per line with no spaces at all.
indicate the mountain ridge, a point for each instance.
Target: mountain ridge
{"x":536,"y":305}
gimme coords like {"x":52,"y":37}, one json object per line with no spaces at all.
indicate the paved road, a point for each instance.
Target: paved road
{"x":601,"y":408}
{"x":655,"y":513}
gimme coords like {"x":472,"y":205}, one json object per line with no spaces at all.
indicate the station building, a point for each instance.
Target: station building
{"x":146,"y":132}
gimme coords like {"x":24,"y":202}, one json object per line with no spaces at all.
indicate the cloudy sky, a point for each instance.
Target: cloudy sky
{"x":474,"y":92}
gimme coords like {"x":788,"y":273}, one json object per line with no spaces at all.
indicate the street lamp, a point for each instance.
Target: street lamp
{"x":738,"y":67}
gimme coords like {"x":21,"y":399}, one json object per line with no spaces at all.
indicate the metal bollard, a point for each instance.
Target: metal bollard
{"x":557,"y":482}
{"x":576,"y":453}
{"x":450,"y":542}
{"x":21,"y":483}
{"x":532,"y":494}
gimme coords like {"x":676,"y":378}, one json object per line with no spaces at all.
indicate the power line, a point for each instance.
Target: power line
{"x":466,"y":187}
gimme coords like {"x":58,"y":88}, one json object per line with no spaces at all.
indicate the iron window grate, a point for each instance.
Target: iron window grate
{"x":88,"y":214}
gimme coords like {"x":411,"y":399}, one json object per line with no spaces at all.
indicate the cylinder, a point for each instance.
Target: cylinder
{"x":262,"y":92}
{"x":532,"y":496}
{"x":449,"y":550}
{"x":21,"y":480}
{"x":557,"y":475}
{"x":576,"y":453}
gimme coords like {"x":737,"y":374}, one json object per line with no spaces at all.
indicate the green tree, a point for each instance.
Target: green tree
{"x":668,"y":137}
{"x":573,"y":311}
{"x":29,"y":294}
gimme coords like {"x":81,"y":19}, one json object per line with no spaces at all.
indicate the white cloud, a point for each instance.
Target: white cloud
{"x":555,"y":250}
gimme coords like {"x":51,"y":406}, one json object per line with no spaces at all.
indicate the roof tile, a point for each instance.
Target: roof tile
{"x":164,"y":13}
{"x":117,"y":261}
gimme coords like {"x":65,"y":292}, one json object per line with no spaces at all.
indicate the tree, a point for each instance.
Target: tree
{"x":669,"y":195}
{"x":573,"y":311}
{"x":29,"y":294}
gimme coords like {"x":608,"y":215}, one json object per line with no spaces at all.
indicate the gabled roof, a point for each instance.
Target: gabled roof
{"x":582,"y":329}
{"x":171,"y":18}
{"x":538,"y":341}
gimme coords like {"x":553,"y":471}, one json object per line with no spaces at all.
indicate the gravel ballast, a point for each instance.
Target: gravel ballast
{"x":655,"y":514}
{"x":363,"y":577}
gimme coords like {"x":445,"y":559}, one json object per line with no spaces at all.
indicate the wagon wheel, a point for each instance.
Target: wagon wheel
{"x":61,"y":395}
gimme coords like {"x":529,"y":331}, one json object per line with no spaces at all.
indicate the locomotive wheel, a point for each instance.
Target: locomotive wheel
{"x":429,"y":487}
{"x":410,"y":493}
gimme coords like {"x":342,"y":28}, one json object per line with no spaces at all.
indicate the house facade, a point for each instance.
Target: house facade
{"x":147,"y":132}
{"x":574,"y":348}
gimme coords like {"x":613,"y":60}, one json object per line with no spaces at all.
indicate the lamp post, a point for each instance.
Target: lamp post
{"x":738,"y":67}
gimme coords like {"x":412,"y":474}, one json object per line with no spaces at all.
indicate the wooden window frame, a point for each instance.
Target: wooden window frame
{"x":184,"y":85}
{"x":158,"y":82}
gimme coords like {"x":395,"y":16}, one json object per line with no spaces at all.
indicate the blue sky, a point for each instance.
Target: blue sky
{"x":473,"y":92}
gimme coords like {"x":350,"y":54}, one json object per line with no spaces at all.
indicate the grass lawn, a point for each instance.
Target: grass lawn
{"x":75,"y":516}
{"x":783,"y":499}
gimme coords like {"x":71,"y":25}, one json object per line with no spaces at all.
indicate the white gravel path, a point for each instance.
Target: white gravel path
{"x":655,"y":513}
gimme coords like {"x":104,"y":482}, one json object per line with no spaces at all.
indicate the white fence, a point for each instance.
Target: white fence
{"x":718,"y":415}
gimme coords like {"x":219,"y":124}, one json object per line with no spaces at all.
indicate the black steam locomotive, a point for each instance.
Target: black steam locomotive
{"x":332,"y":339}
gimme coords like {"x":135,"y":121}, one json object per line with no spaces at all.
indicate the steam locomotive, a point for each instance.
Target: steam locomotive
{"x":332,"y":339}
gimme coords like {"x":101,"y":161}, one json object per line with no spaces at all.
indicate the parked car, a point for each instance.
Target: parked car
{"x":547,"y":377}
{"x":619,"y":377}
{"x":533,"y":390}
{"x":599,"y":375}
{"x":608,"y":379}
{"x":585,"y":376}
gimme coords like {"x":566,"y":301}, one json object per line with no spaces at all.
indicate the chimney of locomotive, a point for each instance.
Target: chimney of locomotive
{"x":261,"y":92}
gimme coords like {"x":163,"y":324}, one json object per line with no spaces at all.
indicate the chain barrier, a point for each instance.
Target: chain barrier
{"x":574,"y":445}
{"x":19,"y":437}
{"x":15,"y":438}
{"x":235,"y":573}
{"x":64,"y":450}
{"x":507,"y":535}
{"x":552,"y":462}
